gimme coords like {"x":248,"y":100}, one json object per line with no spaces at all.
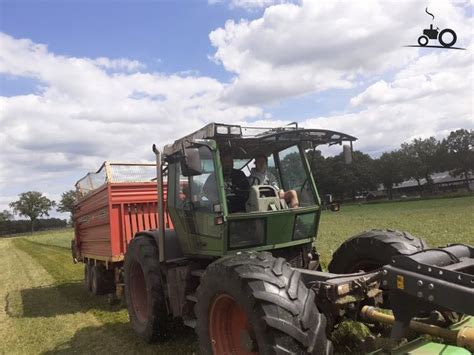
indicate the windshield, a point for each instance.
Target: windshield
{"x":294,"y":176}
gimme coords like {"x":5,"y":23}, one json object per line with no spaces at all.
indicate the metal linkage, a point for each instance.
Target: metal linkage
{"x":434,"y":279}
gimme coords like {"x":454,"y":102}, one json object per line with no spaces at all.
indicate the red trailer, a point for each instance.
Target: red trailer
{"x":113,"y":204}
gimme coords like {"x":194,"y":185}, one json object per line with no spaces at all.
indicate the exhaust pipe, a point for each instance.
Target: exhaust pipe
{"x":463,"y":337}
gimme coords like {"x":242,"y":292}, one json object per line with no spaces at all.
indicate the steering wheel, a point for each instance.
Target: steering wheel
{"x":253,"y":179}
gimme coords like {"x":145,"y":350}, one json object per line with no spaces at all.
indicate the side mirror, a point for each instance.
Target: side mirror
{"x":347,"y":154}
{"x":191,"y":162}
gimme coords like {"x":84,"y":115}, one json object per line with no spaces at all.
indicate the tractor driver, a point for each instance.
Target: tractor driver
{"x":235,"y":184}
{"x":261,"y":176}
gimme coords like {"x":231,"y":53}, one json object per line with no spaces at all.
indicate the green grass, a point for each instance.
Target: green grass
{"x":46,"y":309}
{"x":58,"y":237}
{"x":439,"y":222}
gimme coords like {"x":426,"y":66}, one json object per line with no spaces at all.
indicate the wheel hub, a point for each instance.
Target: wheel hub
{"x":229,"y":328}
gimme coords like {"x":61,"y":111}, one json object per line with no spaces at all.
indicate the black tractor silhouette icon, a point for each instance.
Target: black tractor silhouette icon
{"x":447,"y":37}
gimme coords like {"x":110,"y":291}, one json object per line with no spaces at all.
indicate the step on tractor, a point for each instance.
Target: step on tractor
{"x":204,"y":237}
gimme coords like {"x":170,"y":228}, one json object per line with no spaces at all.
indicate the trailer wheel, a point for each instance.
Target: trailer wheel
{"x":143,"y":289}
{"x":373,"y":249}
{"x":102,"y":280}
{"x":87,"y":277}
{"x":254,"y":303}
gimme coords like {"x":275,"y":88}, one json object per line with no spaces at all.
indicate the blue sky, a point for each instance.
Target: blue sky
{"x":86,"y":81}
{"x":167,"y":36}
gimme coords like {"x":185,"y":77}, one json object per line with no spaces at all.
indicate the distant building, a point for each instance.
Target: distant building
{"x":442,"y":182}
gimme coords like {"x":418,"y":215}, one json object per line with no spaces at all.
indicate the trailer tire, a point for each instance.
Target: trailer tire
{"x":87,"y":277}
{"x":373,"y":249}
{"x":253,"y":302}
{"x":102,"y":280}
{"x":144,"y":294}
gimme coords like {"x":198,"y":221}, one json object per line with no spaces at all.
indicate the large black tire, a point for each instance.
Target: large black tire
{"x":144,"y":294}
{"x":254,"y":302}
{"x":453,"y":40}
{"x":87,"y":277}
{"x":102,"y":280}
{"x":373,"y":249}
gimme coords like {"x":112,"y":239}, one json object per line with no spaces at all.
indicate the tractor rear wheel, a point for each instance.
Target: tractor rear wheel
{"x":254,"y":303}
{"x":373,"y":249}
{"x":143,"y":289}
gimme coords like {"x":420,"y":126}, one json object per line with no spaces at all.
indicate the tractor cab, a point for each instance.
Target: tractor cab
{"x":217,"y":199}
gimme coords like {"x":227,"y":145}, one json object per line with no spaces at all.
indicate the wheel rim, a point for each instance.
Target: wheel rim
{"x":138,"y":292}
{"x":229,"y":328}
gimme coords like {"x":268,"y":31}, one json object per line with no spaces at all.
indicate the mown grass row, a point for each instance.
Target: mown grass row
{"x":114,"y":334}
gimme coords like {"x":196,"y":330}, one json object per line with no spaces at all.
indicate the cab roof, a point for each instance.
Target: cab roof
{"x":246,"y":142}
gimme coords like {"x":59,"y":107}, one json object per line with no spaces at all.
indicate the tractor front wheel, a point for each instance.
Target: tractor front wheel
{"x":253,"y":303}
{"x":143,"y":289}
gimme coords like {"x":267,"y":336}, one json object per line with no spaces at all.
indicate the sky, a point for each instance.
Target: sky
{"x":86,"y":81}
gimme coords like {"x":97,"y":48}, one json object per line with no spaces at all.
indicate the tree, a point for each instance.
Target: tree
{"x":421,"y":158}
{"x":389,"y":170}
{"x":341,"y":179}
{"x":66,"y":204}
{"x":460,"y":149}
{"x":6,"y":215}
{"x":321,"y":171}
{"x":32,"y":204}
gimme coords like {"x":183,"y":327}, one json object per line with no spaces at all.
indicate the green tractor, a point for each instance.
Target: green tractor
{"x":238,"y":262}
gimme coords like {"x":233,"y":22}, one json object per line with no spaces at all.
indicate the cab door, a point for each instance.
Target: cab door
{"x":196,"y":199}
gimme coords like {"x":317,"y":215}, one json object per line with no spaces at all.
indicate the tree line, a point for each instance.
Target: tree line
{"x":33,"y":205}
{"x":418,"y":159}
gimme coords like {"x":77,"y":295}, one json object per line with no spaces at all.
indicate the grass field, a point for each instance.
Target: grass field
{"x":45,"y":309}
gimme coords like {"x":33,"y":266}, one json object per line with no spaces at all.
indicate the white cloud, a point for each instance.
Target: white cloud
{"x":89,"y":110}
{"x":430,"y":97}
{"x":296,"y":49}
{"x":249,"y":5}
{"x":117,"y":64}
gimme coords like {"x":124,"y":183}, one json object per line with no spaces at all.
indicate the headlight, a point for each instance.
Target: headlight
{"x":236,"y":130}
{"x":222,"y":130}
{"x":228,"y":130}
